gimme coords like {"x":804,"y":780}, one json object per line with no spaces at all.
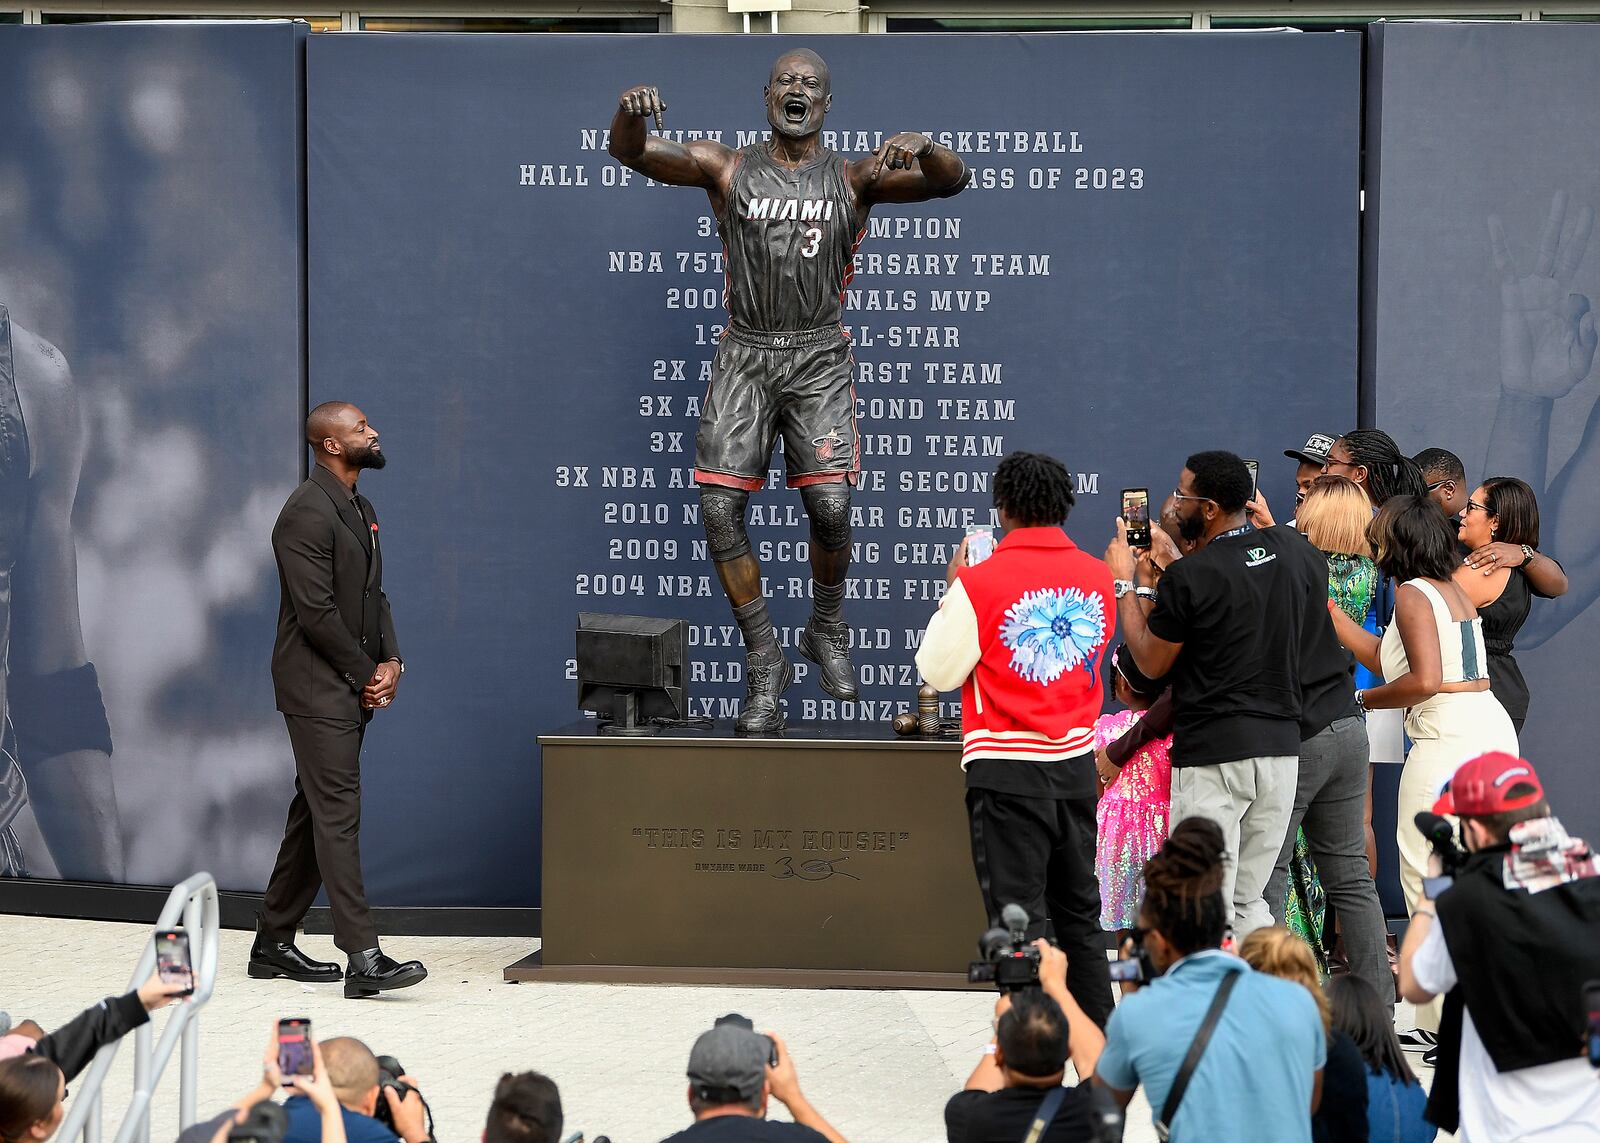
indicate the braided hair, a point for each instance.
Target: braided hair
{"x":1389,"y":471}
{"x":1033,"y":489}
{"x":1183,"y":887}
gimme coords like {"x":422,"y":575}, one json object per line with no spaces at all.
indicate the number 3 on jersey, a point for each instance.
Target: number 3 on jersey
{"x":813,"y":242}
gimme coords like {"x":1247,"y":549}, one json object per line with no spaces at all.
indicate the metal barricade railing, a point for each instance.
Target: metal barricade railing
{"x":194,"y":903}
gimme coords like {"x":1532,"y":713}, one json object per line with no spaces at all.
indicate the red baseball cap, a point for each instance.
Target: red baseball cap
{"x":1480,"y":787}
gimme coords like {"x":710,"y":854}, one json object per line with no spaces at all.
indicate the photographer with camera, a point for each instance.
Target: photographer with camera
{"x":256,"y":1119}
{"x":1223,"y":1052}
{"x":1037,"y":1029}
{"x":732,"y":1070}
{"x":1509,"y":941}
{"x":377,"y":1107}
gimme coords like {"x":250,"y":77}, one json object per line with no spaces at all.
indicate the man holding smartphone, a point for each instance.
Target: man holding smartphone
{"x":1023,"y":634}
{"x":1229,"y":622}
{"x":336,"y":661}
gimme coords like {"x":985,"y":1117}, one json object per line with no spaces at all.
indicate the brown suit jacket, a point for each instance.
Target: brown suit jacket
{"x":334,"y":625}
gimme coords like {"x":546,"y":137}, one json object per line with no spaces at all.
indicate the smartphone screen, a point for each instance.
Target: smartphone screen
{"x":1126,"y":971}
{"x":1136,"y":514}
{"x":980,"y":543}
{"x":1255,"y":471}
{"x":294,"y":1047}
{"x":172,"y":959}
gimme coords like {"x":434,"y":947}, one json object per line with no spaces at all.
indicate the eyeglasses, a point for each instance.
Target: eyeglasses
{"x":1471,"y":504}
{"x":1438,"y":484}
{"x":1331,"y":463}
{"x":1176,"y":495}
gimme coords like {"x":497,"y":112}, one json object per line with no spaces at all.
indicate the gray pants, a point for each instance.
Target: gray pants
{"x":1329,"y":800}
{"x":1251,"y":800}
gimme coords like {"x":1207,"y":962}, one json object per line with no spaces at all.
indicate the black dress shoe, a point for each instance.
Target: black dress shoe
{"x":269,"y":959}
{"x":828,"y":646}
{"x":372,"y":972}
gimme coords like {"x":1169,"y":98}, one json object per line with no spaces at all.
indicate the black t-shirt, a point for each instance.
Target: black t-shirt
{"x":745,"y":1129}
{"x":1004,"y":1116}
{"x":1239,"y":606}
{"x":1327,"y":670}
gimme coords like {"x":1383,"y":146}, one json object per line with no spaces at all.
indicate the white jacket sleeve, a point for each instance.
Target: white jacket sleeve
{"x":950,"y":646}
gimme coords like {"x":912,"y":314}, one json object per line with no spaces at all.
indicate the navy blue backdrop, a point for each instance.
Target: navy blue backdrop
{"x":1473,"y":126}
{"x":1158,"y":255}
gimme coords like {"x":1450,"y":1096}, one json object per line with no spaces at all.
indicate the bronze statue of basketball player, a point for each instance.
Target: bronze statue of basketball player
{"x":790,"y":213}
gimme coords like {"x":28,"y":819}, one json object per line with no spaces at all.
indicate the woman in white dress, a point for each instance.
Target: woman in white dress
{"x":1436,"y":668}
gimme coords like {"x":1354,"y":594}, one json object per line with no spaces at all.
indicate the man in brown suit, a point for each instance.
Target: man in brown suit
{"x":335,"y":661}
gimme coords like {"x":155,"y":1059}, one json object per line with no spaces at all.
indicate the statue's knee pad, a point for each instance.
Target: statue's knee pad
{"x":722,"y":514}
{"x":828,"y":505}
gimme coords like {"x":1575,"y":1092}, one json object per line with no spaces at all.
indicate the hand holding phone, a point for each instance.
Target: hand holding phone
{"x":294,"y":1049}
{"x":1136,"y":515}
{"x":172,"y":960}
{"x":980,"y":543}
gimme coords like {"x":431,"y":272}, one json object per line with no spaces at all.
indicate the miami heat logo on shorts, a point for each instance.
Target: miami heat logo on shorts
{"x":826,"y":444}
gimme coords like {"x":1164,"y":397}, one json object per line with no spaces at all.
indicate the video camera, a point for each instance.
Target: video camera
{"x":1441,"y":835}
{"x":1010,"y":962}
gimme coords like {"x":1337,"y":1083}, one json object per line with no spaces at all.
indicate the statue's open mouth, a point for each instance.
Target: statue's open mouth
{"x":795,"y":109}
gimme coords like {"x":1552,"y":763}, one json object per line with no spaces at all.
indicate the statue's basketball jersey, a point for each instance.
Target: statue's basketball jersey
{"x":14,"y":465}
{"x":789,"y":238}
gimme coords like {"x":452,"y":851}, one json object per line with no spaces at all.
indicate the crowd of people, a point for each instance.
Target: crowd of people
{"x":1219,"y":825}
{"x":1264,"y":671}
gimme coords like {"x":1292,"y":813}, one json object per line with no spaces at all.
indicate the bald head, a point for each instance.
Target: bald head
{"x":328,"y":419}
{"x":352,"y":1070}
{"x":812,"y":61}
{"x":341,"y":438}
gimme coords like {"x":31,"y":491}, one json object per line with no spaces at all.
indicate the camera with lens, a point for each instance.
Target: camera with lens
{"x":1441,"y":836}
{"x":266,"y":1122}
{"x":389,"y":1073}
{"x":1010,"y":962}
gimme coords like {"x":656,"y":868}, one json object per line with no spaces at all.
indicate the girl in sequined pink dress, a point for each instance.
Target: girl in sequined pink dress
{"x":1134,"y":811}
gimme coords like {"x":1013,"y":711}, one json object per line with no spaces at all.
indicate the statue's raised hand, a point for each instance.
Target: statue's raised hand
{"x":643,"y":101}
{"x":1547,"y":334}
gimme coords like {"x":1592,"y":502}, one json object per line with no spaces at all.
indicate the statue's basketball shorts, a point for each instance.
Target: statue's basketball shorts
{"x":798,"y":384}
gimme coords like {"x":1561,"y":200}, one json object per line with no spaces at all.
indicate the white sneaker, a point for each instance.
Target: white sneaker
{"x":1418,"y":1040}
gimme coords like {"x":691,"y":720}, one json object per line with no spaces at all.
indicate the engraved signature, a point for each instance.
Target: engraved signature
{"x":817,"y":869}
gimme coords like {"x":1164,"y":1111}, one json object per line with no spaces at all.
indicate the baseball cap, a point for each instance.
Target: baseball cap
{"x":1314,"y":451}
{"x":1482,"y":786}
{"x":728,"y":1064}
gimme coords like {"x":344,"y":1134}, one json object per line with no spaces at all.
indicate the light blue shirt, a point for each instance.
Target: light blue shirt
{"x":1253,"y":1085}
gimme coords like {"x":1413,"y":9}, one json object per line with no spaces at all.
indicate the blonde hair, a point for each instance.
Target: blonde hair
{"x":1278,"y":952}
{"x":1335,"y":515}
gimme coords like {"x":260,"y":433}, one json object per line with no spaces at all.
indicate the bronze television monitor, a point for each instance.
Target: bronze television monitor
{"x":631,"y":670}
